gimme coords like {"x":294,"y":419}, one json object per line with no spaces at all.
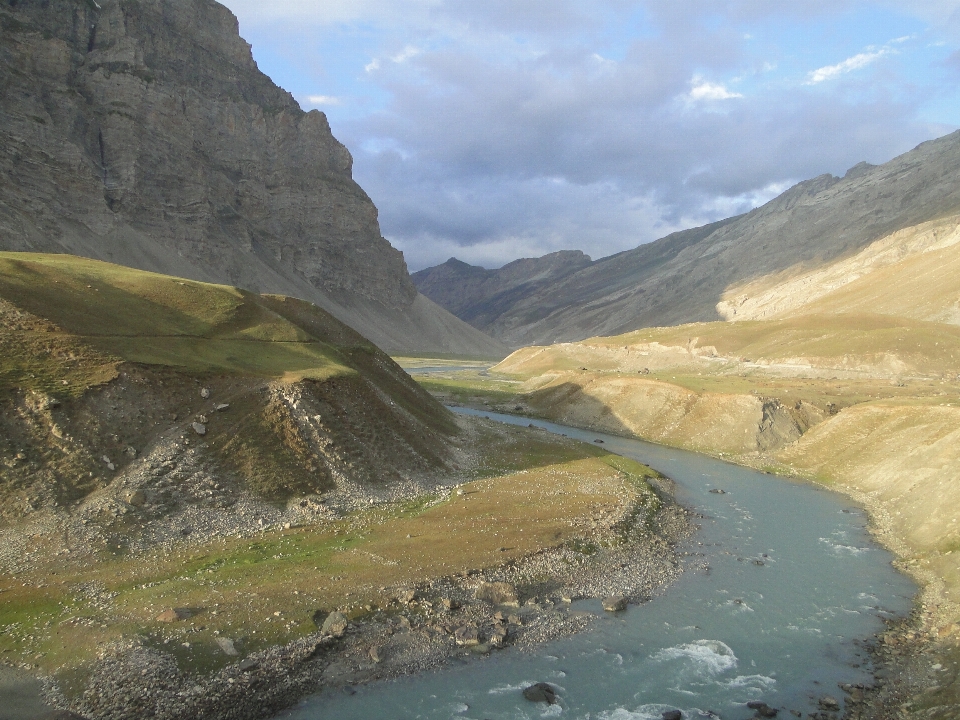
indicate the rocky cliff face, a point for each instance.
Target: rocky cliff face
{"x":141,"y":132}
{"x":682,"y":277}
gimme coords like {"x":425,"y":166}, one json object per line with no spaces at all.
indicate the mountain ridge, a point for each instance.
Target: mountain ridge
{"x":682,"y":277}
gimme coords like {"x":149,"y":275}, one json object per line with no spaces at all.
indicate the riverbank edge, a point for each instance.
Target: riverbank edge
{"x":899,"y":652}
{"x":131,"y":679}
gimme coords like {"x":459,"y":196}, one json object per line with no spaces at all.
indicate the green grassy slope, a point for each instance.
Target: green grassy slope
{"x":160,"y":320}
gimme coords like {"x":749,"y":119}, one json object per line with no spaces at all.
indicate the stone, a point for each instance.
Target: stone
{"x":248,"y":664}
{"x":205,"y":393}
{"x":174,"y":614}
{"x":137,"y":498}
{"x":466,"y":635}
{"x":222,"y":406}
{"x":130,"y":451}
{"x":335,"y":624}
{"x":226,"y":644}
{"x":615,"y":603}
{"x":598,"y":441}
{"x":406,"y":596}
{"x":374,"y":653}
{"x":540,"y":692}
{"x":449,"y":604}
{"x":498,"y":593}
{"x":718,"y":491}
{"x":671,"y":715}
{"x":829,"y":703}
{"x":199,"y":428}
{"x":763,"y":710}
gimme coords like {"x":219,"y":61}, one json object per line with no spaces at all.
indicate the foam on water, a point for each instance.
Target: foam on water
{"x":703,"y":656}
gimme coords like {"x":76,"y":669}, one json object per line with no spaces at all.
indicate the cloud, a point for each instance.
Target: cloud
{"x":856,"y":62}
{"x":703,"y":90}
{"x":518,"y":127}
{"x":322,"y":100}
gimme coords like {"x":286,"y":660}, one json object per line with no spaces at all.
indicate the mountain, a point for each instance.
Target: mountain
{"x":480,"y":296}
{"x":685,"y":276}
{"x":141,"y":132}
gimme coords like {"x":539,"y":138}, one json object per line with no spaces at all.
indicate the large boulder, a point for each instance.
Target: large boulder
{"x":540,"y":692}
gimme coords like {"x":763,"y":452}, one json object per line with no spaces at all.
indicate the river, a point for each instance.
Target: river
{"x":795,"y":586}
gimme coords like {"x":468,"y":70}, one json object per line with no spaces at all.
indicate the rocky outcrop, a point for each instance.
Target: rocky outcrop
{"x":681,"y":278}
{"x":142,"y":132}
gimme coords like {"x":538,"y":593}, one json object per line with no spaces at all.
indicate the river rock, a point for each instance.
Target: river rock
{"x":199,"y":428}
{"x":540,"y":692}
{"x":763,"y":710}
{"x":466,"y":635}
{"x":829,"y":703}
{"x":498,"y":593}
{"x":615,"y":603}
{"x":336,"y":624}
{"x":499,"y":636}
{"x":672,"y":715}
{"x":718,"y":491}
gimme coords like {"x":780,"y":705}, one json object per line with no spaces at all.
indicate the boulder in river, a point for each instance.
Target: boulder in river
{"x":498,"y":593}
{"x":615,"y":603}
{"x":540,"y":692}
{"x":763,"y":710}
{"x":672,"y":715}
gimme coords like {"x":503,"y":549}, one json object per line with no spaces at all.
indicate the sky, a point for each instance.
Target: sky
{"x":490,"y":130}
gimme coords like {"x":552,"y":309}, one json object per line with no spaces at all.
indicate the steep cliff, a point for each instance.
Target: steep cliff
{"x":142,"y":132}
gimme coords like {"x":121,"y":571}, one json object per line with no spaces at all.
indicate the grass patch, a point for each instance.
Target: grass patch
{"x":264,"y":591}
{"x":160,"y":320}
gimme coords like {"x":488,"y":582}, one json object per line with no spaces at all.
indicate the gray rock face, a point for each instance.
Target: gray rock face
{"x":143,"y":133}
{"x":681,"y":278}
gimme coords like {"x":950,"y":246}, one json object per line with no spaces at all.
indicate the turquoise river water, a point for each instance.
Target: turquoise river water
{"x":786,"y":631}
